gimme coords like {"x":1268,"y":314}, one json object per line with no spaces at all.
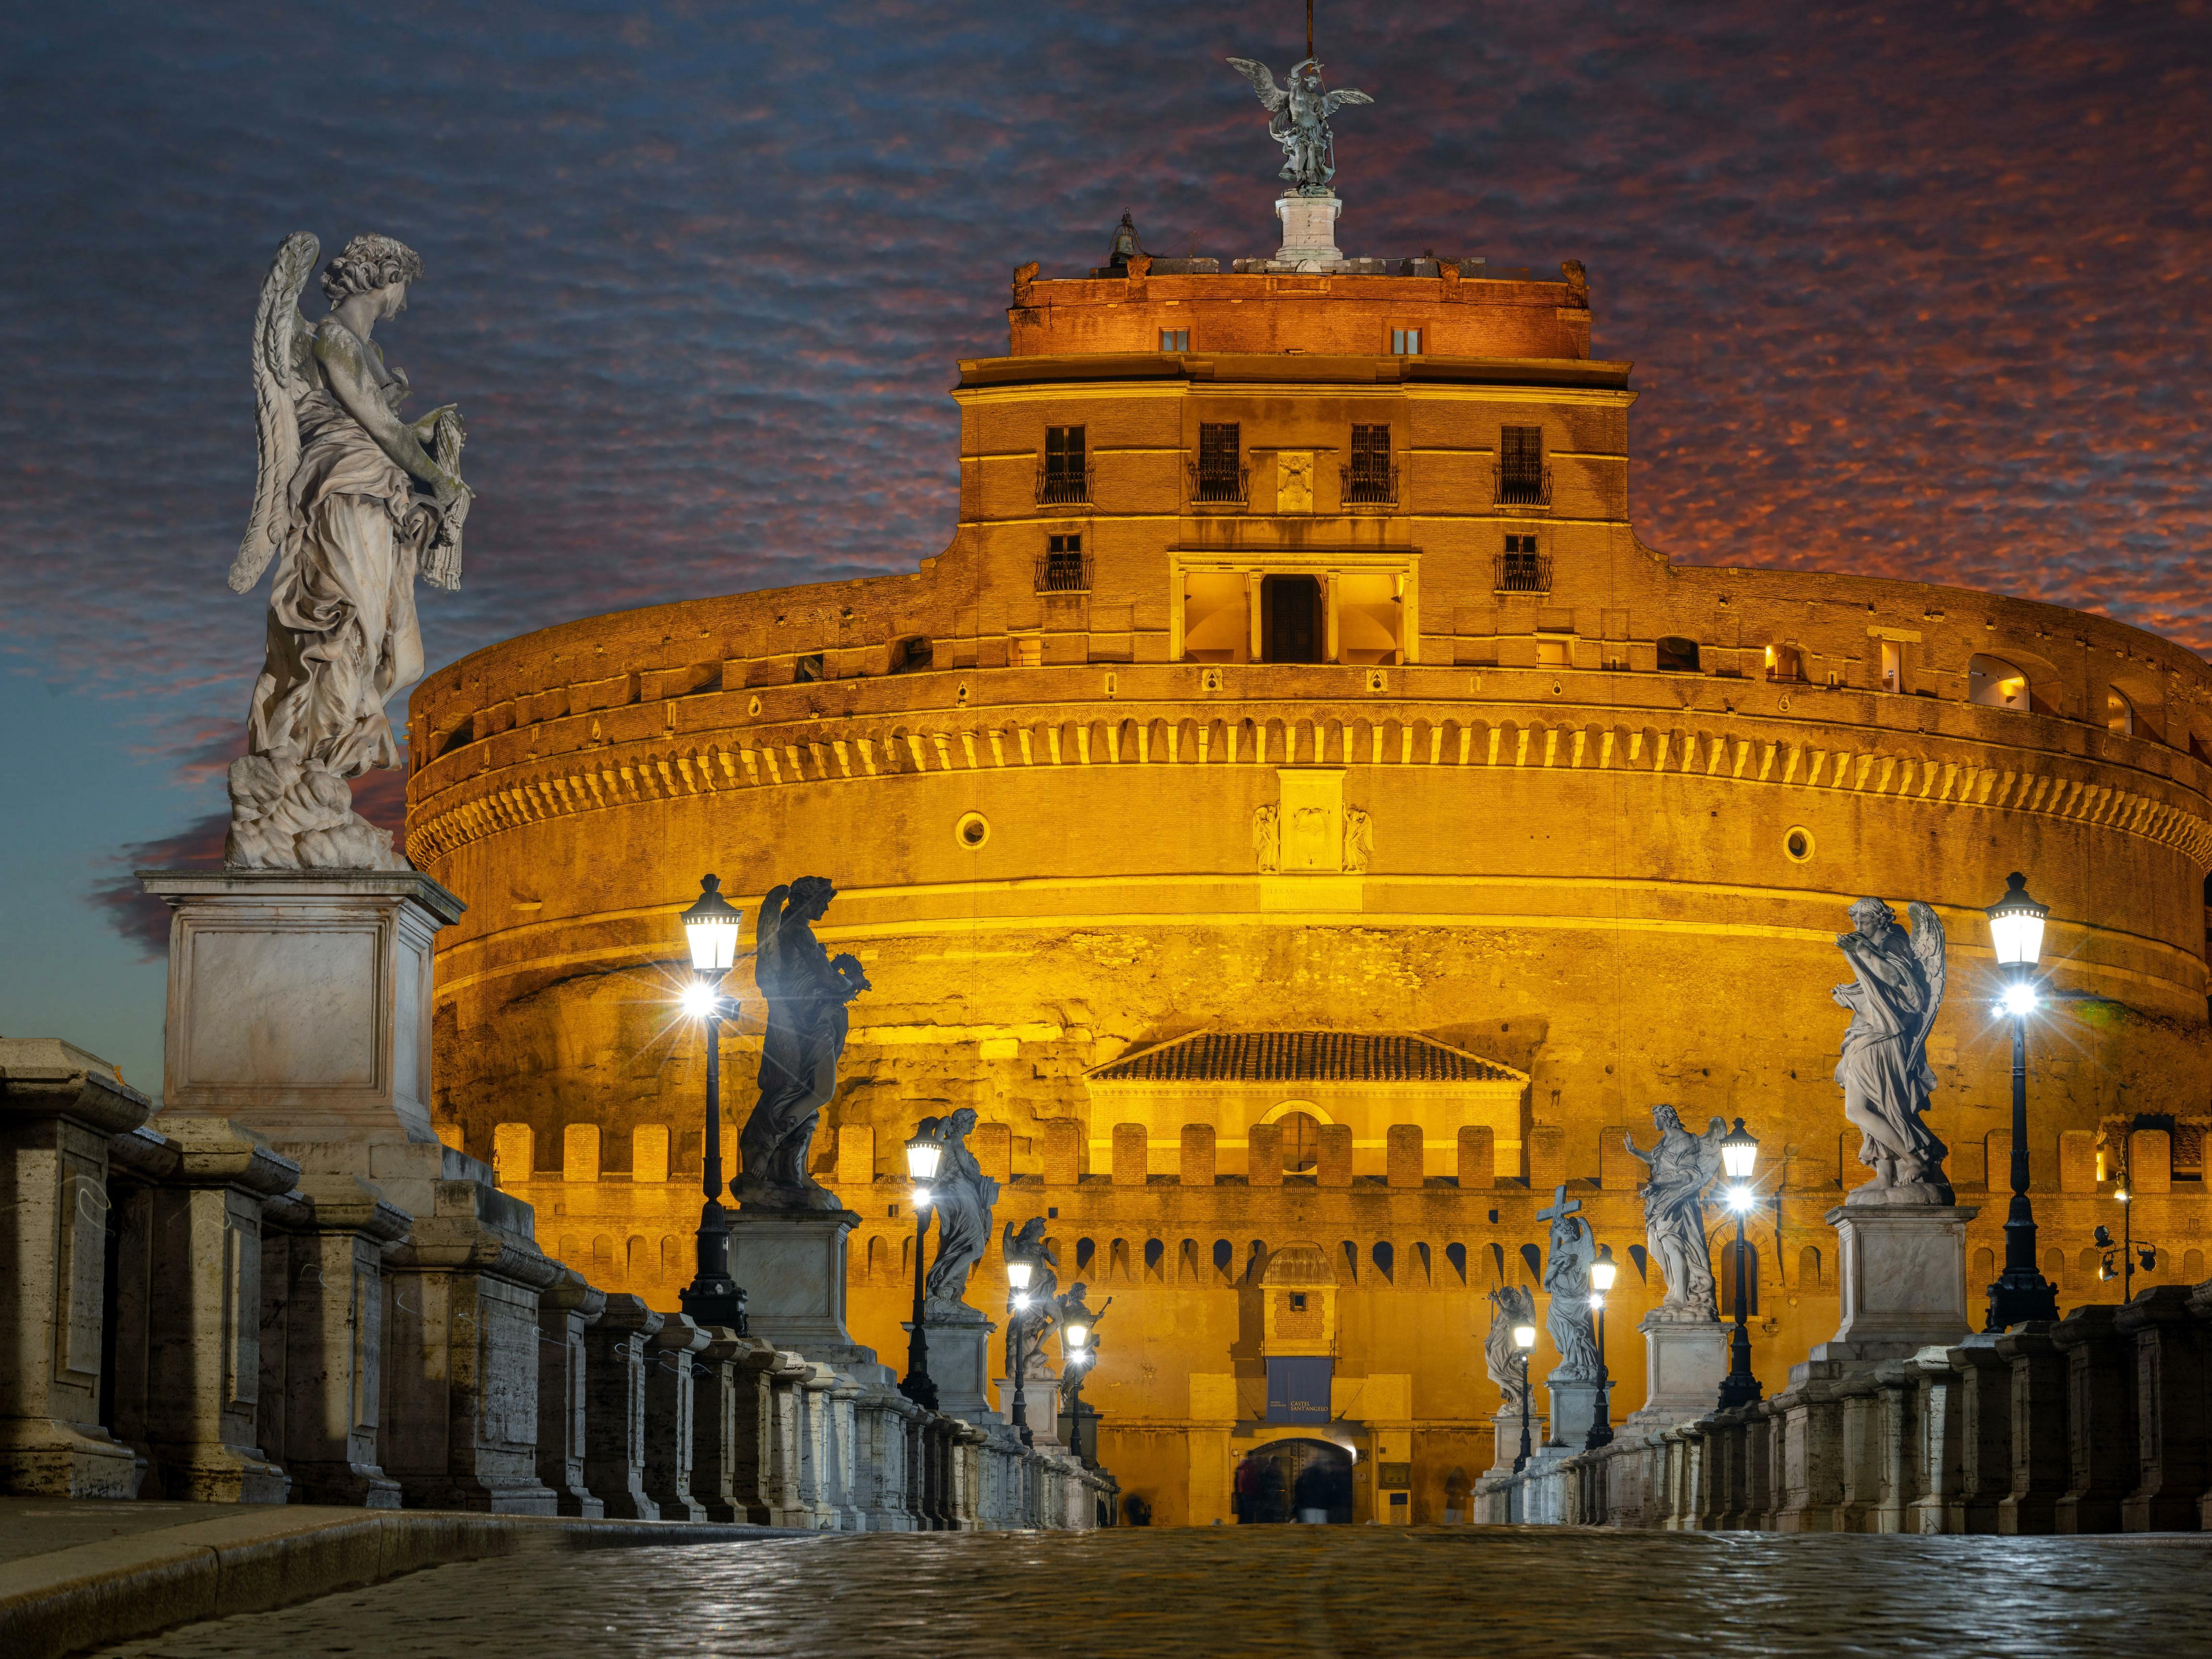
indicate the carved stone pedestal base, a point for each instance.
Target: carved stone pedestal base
{"x":960,"y":1365}
{"x":1683,"y":1365}
{"x":792,"y":1265}
{"x":1505,"y":1427}
{"x":1574,"y":1408}
{"x":1904,"y":1274}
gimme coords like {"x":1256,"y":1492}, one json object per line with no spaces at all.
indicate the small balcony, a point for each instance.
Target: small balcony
{"x":1063,"y":572}
{"x":1522,"y":486}
{"x":1524,"y":573}
{"x":1213,"y":485}
{"x":1059,"y":484}
{"x":1370,"y":486}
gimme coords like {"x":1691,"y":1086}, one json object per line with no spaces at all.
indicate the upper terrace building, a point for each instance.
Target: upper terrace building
{"x":1307,"y":823}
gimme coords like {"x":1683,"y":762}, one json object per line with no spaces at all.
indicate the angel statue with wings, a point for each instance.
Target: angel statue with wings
{"x":1298,"y":120}
{"x":1884,"y":1070}
{"x":1682,"y":1166}
{"x":351,"y":504}
{"x":806,"y":990}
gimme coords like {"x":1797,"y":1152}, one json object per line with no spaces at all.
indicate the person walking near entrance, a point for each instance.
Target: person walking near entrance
{"x":1311,"y":1494}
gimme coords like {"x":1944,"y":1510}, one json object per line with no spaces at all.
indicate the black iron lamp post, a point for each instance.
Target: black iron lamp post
{"x":2131,"y":1254}
{"x":1524,"y":1343}
{"x":1079,"y":1351}
{"x":1019,"y":1269}
{"x":1739,"y":1160}
{"x":923,"y":1154}
{"x":2021,"y":1293}
{"x":710,"y":927}
{"x":1602,"y":1274}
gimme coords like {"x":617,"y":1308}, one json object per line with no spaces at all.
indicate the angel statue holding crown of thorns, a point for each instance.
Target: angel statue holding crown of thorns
{"x":352,"y":504}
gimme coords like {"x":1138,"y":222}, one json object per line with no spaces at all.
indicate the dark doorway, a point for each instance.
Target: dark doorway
{"x":1290,"y":619}
{"x":1288,"y":1480}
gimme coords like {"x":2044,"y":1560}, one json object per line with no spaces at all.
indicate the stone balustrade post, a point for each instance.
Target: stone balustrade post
{"x":1811,"y":1416}
{"x":787,"y":1431}
{"x":323,"y":1320}
{"x":1758,"y":1468}
{"x":1937,"y":1419}
{"x":2172,"y":1469}
{"x":566,"y":1308}
{"x":203,"y":1308}
{"x":461,"y":1348}
{"x":1859,"y":1465}
{"x":2042,"y":1459}
{"x":60,"y":1108}
{"x":968,"y":1441}
{"x":614,"y":1408}
{"x":844,"y":1456}
{"x":1984,"y":1434}
{"x":714,"y":1395}
{"x":1705,"y":1440}
{"x":671,"y":1405}
{"x":1726,"y":1431}
{"x":2105,"y":1451}
{"x":815,"y":1482}
{"x":1899,"y":1450}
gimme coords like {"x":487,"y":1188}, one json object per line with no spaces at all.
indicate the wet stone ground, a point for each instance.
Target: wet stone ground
{"x":1457,"y":1591}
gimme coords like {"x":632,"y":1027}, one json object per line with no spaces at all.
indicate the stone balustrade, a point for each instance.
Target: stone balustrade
{"x":2096,"y":1423}
{"x":191,"y":1315}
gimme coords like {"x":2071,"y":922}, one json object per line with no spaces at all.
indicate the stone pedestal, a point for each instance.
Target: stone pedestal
{"x":1984,"y":1434}
{"x":566,"y":1308}
{"x":2171,"y":1376}
{"x":2104,"y":1455}
{"x":300,"y":1000}
{"x":1040,"y":1404}
{"x":1309,"y":231}
{"x":791,"y":1264}
{"x":670,"y":1402}
{"x":1683,"y":1365}
{"x":960,"y":1365}
{"x":1574,"y":1408}
{"x":2042,"y":1458}
{"x":715,"y":1404}
{"x":1904,"y":1281}
{"x":1505,"y":1431}
{"x":614,"y":1408}
{"x":60,"y":1107}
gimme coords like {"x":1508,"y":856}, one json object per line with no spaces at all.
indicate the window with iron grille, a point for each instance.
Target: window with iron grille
{"x":1520,"y":569}
{"x":1174,"y":339}
{"x":1220,"y":453}
{"x":1368,"y":479}
{"x":1521,"y":464}
{"x":1063,"y":570}
{"x":1065,"y":479}
{"x":1405,"y":342}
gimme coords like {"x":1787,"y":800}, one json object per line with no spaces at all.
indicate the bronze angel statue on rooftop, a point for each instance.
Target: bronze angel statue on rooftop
{"x":352,"y":503}
{"x":1298,"y":120}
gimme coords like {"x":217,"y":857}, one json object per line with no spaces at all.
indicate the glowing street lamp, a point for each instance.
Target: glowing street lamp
{"x":1601,"y":1272}
{"x":1524,"y":1343}
{"x":1019,"y":1269}
{"x":2021,"y":1293}
{"x":710,"y":928}
{"x":1739,"y":1161}
{"x":923,"y":1154}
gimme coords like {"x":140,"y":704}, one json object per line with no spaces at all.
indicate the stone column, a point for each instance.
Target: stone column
{"x":1900,"y":1449}
{"x":203,"y":1306}
{"x":815,"y":1491}
{"x":1758,"y":1468}
{"x":1938,"y":1412}
{"x":714,"y":1406}
{"x":461,"y":1347}
{"x":2105,"y":1453}
{"x":2172,"y":1472}
{"x":332,"y":1332}
{"x":614,"y":1408}
{"x":788,"y":1505}
{"x":1860,"y":1464}
{"x":59,"y":1108}
{"x":844,"y":1460}
{"x":1813,"y":1452}
{"x":1984,"y":1434}
{"x":968,"y":1439}
{"x":2042,"y":1460}
{"x":566,"y":1308}
{"x":671,"y":1403}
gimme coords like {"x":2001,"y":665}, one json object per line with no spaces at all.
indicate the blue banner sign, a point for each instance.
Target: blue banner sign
{"x":1297,"y":1388}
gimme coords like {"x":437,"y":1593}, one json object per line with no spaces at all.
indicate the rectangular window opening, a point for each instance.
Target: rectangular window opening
{"x":1220,"y":469}
{"x":1522,"y":568}
{"x":1405,"y":342}
{"x":1369,"y":480}
{"x":1174,"y":339}
{"x":1063,"y":568}
{"x":1523,"y":479}
{"x":1067,"y":476}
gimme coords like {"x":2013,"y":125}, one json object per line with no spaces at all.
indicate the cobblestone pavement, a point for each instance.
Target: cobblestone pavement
{"x":1298,"y":1590}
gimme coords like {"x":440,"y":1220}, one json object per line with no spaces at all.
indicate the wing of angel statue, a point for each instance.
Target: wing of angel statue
{"x":1263,"y":83}
{"x":1337,"y":100}
{"x":280,"y":380}
{"x":1928,"y":949}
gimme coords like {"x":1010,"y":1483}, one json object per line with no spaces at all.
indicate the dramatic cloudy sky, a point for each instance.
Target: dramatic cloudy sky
{"x":1915,"y":289}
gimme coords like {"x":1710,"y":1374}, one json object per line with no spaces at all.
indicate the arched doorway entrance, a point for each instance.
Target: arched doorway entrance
{"x":1290,"y":1480}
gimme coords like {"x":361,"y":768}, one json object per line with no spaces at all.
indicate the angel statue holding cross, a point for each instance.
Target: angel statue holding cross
{"x":352,"y":504}
{"x":1298,"y":120}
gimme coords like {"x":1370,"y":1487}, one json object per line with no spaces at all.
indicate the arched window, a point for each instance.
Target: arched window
{"x":1809,"y":1269}
{"x":638,"y":1256}
{"x":1749,"y":1252}
{"x":671,"y":1263}
{"x":1784,"y":663}
{"x":2119,"y":715}
{"x":1224,"y":1254}
{"x":1996,"y":684}
{"x":1386,"y":1261}
{"x":1678,"y":655}
{"x":1456,"y":1255}
{"x":1301,"y":1142}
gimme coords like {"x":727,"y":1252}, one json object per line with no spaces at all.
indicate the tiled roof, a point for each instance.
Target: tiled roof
{"x":1304,"y":1057}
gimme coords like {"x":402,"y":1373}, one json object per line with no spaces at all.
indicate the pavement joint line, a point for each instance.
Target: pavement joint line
{"x":87,"y":1595}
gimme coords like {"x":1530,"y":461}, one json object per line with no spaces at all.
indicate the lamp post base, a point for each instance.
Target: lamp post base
{"x":713,"y":1297}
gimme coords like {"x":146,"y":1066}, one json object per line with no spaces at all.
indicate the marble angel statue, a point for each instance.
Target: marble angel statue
{"x":1884,"y":1071}
{"x":1031,"y":1323}
{"x":1567,"y":1293}
{"x":963,"y":1197}
{"x":1682,"y":1166}
{"x":806,"y":990}
{"x":1298,"y":120}
{"x":1510,"y":1305}
{"x":352,"y":503}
